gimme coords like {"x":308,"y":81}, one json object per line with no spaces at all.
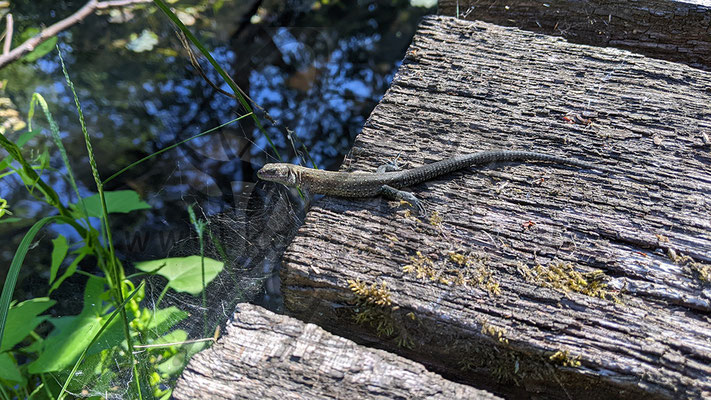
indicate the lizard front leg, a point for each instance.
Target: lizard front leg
{"x":390,"y":166}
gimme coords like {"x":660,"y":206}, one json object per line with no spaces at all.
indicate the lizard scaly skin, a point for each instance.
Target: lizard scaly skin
{"x":369,"y":184}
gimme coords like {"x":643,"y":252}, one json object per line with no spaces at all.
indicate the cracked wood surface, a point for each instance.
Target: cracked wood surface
{"x":525,"y":234}
{"x":263,"y":355}
{"x":678,"y":31}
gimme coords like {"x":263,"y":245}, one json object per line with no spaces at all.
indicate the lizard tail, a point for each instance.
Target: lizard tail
{"x":433,"y":170}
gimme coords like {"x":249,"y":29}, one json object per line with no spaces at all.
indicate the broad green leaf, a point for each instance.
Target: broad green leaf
{"x":119,"y":201}
{"x":178,"y":361}
{"x":184,"y":274}
{"x":94,"y":373}
{"x":72,"y":334}
{"x":8,"y":369}
{"x":22,"y":319}
{"x":59,"y":252}
{"x":176,"y":336}
{"x":71,"y":269}
{"x":83,"y":356}
{"x":163,"y":320}
{"x":16,"y":264}
{"x":41,"y":49}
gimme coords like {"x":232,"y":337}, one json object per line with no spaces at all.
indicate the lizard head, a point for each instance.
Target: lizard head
{"x":280,"y":173}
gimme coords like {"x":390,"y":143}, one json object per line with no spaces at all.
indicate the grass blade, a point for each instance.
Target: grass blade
{"x":54,"y":129}
{"x":235,"y":89}
{"x":114,"y":268}
{"x":116,"y":312}
{"x":171,"y":147}
{"x":52,"y":198}
{"x":16,"y":264}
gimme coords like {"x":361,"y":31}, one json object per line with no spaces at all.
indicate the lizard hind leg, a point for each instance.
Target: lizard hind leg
{"x":397,"y":194}
{"x":388,"y":167}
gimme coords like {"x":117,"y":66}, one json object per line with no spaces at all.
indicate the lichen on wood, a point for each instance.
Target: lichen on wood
{"x":471,"y":86}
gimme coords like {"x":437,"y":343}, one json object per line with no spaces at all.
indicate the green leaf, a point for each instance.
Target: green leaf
{"x":28,"y":33}
{"x":8,"y":369}
{"x":25,"y":137}
{"x":46,"y":388}
{"x":119,"y":201}
{"x":175,"y":336}
{"x":95,"y":339}
{"x":28,"y":175}
{"x":237,"y":91}
{"x":21,"y":141}
{"x":174,"y":364}
{"x":71,"y":269}
{"x":34,"y":347}
{"x":184,"y":274}
{"x":22,"y":319}
{"x":163,"y":320}
{"x":41,"y":50}
{"x":59,"y":252}
{"x":16,"y":264}
{"x":72,"y":334}
{"x":95,"y":374}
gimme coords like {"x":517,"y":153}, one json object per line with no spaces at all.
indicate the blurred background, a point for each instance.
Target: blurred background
{"x":316,"y":67}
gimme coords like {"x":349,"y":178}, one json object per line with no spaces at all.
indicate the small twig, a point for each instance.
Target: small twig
{"x":198,"y":68}
{"x":119,"y":3}
{"x":161,"y":345}
{"x":8,"y":34}
{"x":30,"y":44}
{"x":196,"y":64}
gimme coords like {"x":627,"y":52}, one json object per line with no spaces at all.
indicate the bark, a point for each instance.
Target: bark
{"x":669,"y":30}
{"x":268,"y":356}
{"x":531,"y":279}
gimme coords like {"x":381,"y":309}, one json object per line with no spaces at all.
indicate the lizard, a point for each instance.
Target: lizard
{"x":389,"y":179}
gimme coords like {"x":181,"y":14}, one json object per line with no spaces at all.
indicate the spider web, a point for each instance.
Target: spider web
{"x":249,"y":239}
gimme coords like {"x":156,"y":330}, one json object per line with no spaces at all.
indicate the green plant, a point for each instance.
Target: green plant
{"x":116,"y":334}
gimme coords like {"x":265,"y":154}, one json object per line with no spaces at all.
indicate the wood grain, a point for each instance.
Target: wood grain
{"x":263,"y":355}
{"x":509,"y":318}
{"x":669,"y":30}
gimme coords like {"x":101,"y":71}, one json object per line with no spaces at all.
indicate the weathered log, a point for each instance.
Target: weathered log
{"x":669,"y":30}
{"x":527,"y":279}
{"x":268,"y":356}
